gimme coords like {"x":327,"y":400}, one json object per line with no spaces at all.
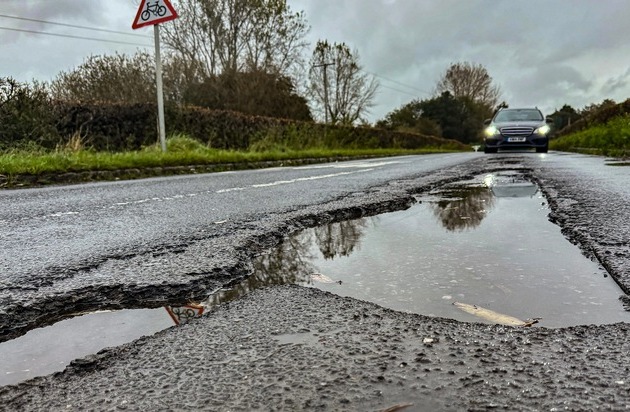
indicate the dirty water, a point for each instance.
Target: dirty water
{"x":485,"y":245}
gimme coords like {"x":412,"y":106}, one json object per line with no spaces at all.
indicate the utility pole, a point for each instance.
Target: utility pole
{"x":325,"y":66}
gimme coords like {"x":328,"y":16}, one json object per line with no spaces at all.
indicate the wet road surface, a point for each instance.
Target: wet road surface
{"x":142,"y":243}
{"x":359,"y":353}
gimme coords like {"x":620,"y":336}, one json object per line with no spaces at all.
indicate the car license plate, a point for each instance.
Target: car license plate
{"x":516,"y":139}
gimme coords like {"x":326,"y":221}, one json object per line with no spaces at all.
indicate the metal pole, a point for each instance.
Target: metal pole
{"x":160,"y":92}
{"x":326,"y":93}
{"x":325,"y":67}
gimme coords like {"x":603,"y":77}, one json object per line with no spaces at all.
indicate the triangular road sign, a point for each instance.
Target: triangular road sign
{"x":153,"y":12}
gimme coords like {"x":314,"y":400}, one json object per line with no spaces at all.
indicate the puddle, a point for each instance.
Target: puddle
{"x":485,"y":244}
{"x":50,"y":349}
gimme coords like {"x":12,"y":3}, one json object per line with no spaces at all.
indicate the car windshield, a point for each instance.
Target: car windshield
{"x":518,"y":114}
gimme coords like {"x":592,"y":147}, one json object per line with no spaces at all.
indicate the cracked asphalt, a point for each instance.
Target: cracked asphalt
{"x":295,"y":348}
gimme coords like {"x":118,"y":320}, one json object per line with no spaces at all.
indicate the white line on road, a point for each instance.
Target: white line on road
{"x":365,"y":167}
{"x":299,"y":179}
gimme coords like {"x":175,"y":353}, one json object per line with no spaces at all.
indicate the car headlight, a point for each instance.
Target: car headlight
{"x":543,"y":130}
{"x":491,"y":131}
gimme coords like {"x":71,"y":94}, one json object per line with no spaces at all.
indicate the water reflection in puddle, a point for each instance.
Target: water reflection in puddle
{"x":486,"y":242}
{"x":50,"y":349}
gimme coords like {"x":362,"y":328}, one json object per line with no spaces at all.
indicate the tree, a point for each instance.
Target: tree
{"x":131,"y":79}
{"x":565,"y":116}
{"x":445,"y":115}
{"x":254,"y":93}
{"x":124,"y":79}
{"x":238,"y":35}
{"x":450,"y":113}
{"x":242,"y":54}
{"x":338,"y":87}
{"x":239,"y":52}
{"x":592,"y":109}
{"x":408,"y":118}
{"x":472,"y":82}
{"x":26,"y":120}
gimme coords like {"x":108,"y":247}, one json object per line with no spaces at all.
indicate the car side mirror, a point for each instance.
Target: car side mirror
{"x":487,"y":122}
{"x":549,"y":120}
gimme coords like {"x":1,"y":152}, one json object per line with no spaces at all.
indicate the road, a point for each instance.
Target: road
{"x":147,"y":243}
{"x":98,"y":239}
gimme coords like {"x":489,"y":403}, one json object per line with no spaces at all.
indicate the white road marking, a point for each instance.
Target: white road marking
{"x":351,"y":165}
{"x":364,"y":167}
{"x":286,"y":182}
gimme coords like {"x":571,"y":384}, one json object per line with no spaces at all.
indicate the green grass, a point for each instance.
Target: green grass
{"x":610,"y":139}
{"x":181,"y":151}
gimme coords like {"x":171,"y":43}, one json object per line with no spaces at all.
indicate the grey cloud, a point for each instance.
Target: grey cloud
{"x":548,"y":87}
{"x":539,"y":52}
{"x":42,"y":57}
{"x":613,"y":85}
{"x":50,"y":10}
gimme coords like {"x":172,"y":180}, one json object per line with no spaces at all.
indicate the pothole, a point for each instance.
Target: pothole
{"x":50,"y":349}
{"x":481,"y":250}
{"x":484,"y":244}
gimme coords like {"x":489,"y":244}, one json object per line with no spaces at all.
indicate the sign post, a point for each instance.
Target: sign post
{"x":154,"y":12}
{"x":158,"y":84}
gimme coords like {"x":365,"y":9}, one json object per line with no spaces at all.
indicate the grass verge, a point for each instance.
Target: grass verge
{"x":609,"y":139}
{"x":181,"y":152}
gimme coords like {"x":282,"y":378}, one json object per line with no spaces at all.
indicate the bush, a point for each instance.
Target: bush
{"x":29,"y":119}
{"x":25,"y":116}
{"x":599,"y":117}
{"x":611,"y":138}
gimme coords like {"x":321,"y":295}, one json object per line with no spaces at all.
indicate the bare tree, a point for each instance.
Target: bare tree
{"x":337,"y":85}
{"x":238,"y":35}
{"x":469,"y":81}
{"x":190,"y":37}
{"x":9,"y":88}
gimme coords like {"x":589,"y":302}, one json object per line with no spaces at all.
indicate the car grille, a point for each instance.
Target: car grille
{"x":516,"y":131}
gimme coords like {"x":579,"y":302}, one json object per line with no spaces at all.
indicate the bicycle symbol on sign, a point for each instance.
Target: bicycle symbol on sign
{"x":156,"y":9}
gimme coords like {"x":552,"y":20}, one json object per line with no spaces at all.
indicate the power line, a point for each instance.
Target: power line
{"x":75,"y":37}
{"x":397,"y":82}
{"x":74,"y":26}
{"x":147,"y":37}
{"x":399,"y":91}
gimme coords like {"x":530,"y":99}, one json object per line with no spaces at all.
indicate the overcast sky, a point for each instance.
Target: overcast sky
{"x":541,"y":53}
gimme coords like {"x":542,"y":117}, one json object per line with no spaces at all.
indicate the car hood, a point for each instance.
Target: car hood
{"x":536,"y":123}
